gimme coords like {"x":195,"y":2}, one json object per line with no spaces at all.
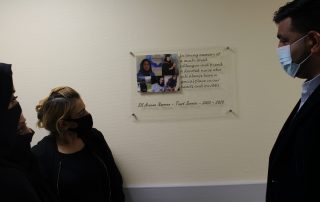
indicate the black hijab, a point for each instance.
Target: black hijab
{"x":8,"y":118}
{"x":19,"y":174}
{"x":6,"y":87}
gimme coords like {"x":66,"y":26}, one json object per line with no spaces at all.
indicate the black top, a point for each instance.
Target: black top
{"x":172,"y":83}
{"x":82,"y":178}
{"x":96,"y":153}
{"x":166,"y":69}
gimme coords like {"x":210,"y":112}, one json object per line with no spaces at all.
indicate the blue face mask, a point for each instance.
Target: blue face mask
{"x":284,"y":54}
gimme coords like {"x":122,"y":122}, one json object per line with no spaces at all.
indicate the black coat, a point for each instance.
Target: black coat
{"x":50,"y":162}
{"x":19,"y":174}
{"x":294,"y":163}
{"x":166,"y":69}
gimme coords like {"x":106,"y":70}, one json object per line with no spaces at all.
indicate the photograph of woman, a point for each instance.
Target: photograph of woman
{"x":145,"y":69}
{"x":168,"y":66}
{"x":153,"y":79}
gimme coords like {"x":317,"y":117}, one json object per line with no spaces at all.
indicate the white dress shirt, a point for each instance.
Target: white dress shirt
{"x":307,"y":89}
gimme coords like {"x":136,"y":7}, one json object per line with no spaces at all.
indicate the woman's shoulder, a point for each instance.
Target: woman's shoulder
{"x":96,"y":139}
{"x":140,"y":73}
{"x":45,"y":144}
{"x":96,"y":135}
{"x":47,"y":140}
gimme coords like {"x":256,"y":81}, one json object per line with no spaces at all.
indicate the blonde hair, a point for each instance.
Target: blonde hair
{"x":55,"y":107}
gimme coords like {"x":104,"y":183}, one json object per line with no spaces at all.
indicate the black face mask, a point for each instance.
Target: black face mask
{"x":8,"y":130}
{"x":13,"y":116}
{"x":84,"y":127}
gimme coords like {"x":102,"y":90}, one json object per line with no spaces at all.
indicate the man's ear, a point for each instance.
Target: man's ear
{"x":315,"y":41}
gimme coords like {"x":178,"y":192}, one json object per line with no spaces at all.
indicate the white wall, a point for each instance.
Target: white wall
{"x":86,"y":43}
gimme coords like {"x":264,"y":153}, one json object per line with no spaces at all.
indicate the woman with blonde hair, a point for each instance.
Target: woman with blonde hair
{"x":74,"y":158}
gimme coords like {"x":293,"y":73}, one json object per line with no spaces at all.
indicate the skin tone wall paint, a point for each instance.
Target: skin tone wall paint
{"x":86,"y":45}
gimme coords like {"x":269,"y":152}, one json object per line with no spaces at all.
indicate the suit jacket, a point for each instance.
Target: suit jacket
{"x":294,"y":162}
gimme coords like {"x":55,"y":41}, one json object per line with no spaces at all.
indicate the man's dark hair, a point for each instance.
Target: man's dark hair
{"x":305,"y":15}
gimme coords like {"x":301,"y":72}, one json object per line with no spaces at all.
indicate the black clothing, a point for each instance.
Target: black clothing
{"x":8,"y":126}
{"x":15,"y":185}
{"x":166,"y":69}
{"x":52,"y":163}
{"x":294,"y":168}
{"x":82,"y":177}
{"x":6,"y":86}
{"x":143,"y":87}
{"x":172,"y":83}
{"x":19,"y":179}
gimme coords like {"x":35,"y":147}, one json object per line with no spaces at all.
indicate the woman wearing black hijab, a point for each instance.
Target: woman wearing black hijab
{"x":19,"y":177}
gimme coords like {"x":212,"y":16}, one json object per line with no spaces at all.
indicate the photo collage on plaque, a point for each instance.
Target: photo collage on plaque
{"x":158,"y":73}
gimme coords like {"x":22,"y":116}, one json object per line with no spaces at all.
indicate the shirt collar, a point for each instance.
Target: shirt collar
{"x":308,"y":87}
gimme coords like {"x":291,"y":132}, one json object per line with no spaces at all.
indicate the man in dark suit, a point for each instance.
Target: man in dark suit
{"x":294,"y":163}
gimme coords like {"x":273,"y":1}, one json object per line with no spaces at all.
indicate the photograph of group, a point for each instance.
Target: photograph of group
{"x":158,"y":73}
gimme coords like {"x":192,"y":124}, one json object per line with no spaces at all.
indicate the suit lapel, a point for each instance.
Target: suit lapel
{"x":308,"y":107}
